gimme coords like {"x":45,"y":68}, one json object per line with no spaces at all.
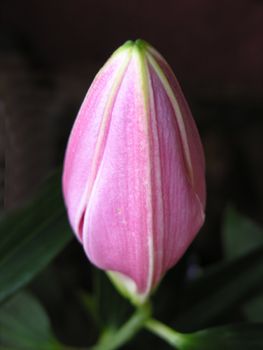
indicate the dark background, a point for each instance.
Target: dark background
{"x":49,"y":54}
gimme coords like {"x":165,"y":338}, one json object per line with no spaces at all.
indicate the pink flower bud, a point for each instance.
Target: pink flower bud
{"x":133,"y":178}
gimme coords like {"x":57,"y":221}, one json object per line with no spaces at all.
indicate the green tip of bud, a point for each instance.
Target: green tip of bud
{"x":141,"y":44}
{"x":127,"y":44}
{"x":138,"y":44}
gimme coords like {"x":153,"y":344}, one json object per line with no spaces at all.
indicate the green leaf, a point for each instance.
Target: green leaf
{"x":253,"y":310}
{"x":24,"y":325}
{"x":233,"y":337}
{"x":240,"y":234}
{"x":31,"y":237}
{"x":220,"y":289}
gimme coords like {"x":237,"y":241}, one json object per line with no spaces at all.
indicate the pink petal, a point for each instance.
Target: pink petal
{"x":83,"y":140}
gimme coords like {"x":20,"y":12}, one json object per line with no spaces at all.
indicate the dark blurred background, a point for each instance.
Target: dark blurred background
{"x":51,"y":50}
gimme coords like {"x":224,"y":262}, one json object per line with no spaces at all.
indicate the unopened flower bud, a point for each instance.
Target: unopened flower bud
{"x":133,"y":180}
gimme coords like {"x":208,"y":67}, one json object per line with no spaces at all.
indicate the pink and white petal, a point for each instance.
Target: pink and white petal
{"x":182,"y":211}
{"x":192,"y":135}
{"x":116,"y":224}
{"x":83,"y":138}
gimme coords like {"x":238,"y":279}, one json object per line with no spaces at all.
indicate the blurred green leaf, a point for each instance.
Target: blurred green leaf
{"x":253,"y":309}
{"x":107,"y":315}
{"x":219,"y":289}
{"x":24,"y":325}
{"x":233,"y":337}
{"x":112,"y":339}
{"x":90,"y":304}
{"x":240,"y":234}
{"x":31,"y":237}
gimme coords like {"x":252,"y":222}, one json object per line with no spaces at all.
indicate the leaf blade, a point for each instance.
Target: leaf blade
{"x":25,"y":325}
{"x":31,"y":237}
{"x":233,"y":337}
{"x":223,"y":287}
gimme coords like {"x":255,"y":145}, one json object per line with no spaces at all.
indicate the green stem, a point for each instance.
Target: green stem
{"x":113,"y":339}
{"x":168,"y":334}
{"x":116,"y":339}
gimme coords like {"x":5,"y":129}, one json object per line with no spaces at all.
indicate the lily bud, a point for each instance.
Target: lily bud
{"x":133,"y":179}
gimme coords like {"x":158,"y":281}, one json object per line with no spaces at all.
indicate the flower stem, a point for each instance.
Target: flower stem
{"x":113,"y":339}
{"x":168,"y":334}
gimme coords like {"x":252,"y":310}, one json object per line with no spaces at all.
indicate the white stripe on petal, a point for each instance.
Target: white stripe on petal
{"x":178,"y":114}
